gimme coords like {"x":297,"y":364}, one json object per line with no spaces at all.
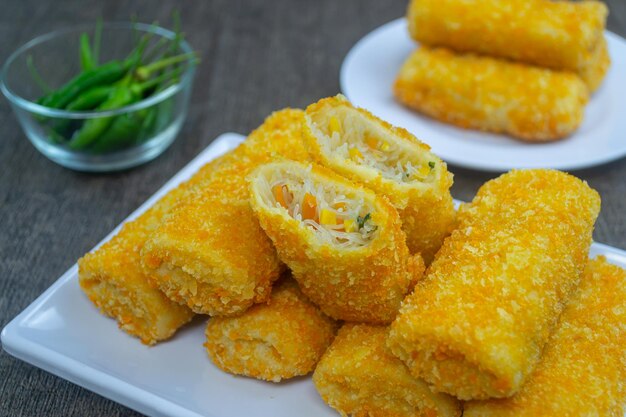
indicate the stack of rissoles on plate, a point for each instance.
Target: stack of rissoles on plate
{"x":328,"y":242}
{"x":521,"y":67}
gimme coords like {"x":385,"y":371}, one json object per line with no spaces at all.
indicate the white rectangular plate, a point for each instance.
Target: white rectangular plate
{"x":63,"y":333}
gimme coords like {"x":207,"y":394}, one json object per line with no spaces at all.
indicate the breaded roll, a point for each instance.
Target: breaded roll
{"x":210,"y":253}
{"x":595,"y":70}
{"x":113,"y":279}
{"x":359,"y":377}
{"x":390,"y":161}
{"x":489,"y":94}
{"x":280,"y":339}
{"x":476,"y":325}
{"x":342,"y":242}
{"x":583,"y":368}
{"x":555,"y":34}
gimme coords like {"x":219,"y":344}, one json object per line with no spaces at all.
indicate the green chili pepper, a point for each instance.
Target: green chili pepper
{"x":148,"y":125}
{"x":113,"y":85}
{"x":88,"y":100}
{"x":93,"y":128}
{"x":86,"y":57}
{"x":108,"y":73}
{"x":161,"y":115}
{"x":55,"y":137}
{"x":164,"y":114}
{"x":91,"y":98}
{"x":124,"y":130}
{"x":122,"y":94}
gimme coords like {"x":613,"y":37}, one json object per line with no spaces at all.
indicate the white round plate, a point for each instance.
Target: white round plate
{"x":367,"y":76}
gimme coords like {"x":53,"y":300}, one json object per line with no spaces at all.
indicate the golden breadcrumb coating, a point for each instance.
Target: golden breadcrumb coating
{"x":583,"y":368}
{"x":211,"y":253}
{"x":280,"y":339}
{"x":359,"y":377}
{"x":555,"y":34}
{"x":366,"y":283}
{"x":595,"y":70}
{"x":479,"y":92}
{"x":114,"y":281}
{"x":424,"y":203}
{"x":476,"y":325}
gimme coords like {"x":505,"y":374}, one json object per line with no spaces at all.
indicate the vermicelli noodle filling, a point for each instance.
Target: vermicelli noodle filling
{"x":336,"y":218}
{"x":347,"y":134}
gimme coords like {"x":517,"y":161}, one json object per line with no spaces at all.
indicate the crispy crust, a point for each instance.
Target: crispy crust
{"x":364,"y":284}
{"x":476,"y":325}
{"x":211,"y":253}
{"x":114,"y":281}
{"x":484,"y":93}
{"x":359,"y":377}
{"x":554,"y":34}
{"x":595,"y":70}
{"x":280,"y":339}
{"x":426,"y":209}
{"x":583,"y":367}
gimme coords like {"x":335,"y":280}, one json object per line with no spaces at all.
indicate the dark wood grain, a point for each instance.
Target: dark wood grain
{"x":257,"y":57}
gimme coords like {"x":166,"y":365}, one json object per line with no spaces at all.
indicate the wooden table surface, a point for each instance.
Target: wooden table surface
{"x":256,"y":57}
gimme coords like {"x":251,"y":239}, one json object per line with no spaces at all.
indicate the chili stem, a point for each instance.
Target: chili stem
{"x":86,"y":57}
{"x":136,"y":54}
{"x":140,"y":88}
{"x":152,"y":53}
{"x":178,"y":35}
{"x":36,"y":76}
{"x":145,"y":71}
{"x":97,"y":38}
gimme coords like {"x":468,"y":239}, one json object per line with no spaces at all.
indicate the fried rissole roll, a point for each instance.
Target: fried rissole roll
{"x":556,"y":34}
{"x":583,"y":367}
{"x":594,"y":72}
{"x":210,"y":253}
{"x":280,"y":339}
{"x":479,"y":92}
{"x":476,"y":325}
{"x":113,"y":279}
{"x":359,"y":377}
{"x":342,"y":242}
{"x":389,"y":160}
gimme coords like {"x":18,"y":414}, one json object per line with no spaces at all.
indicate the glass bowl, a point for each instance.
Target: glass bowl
{"x":56,"y":58}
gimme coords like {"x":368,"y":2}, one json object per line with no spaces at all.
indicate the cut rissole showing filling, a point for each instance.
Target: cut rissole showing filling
{"x":342,"y":242}
{"x":390,"y":161}
{"x":345,"y":134}
{"x":344,"y":221}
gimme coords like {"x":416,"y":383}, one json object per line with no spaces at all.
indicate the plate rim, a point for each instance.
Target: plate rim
{"x":494,"y":166}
